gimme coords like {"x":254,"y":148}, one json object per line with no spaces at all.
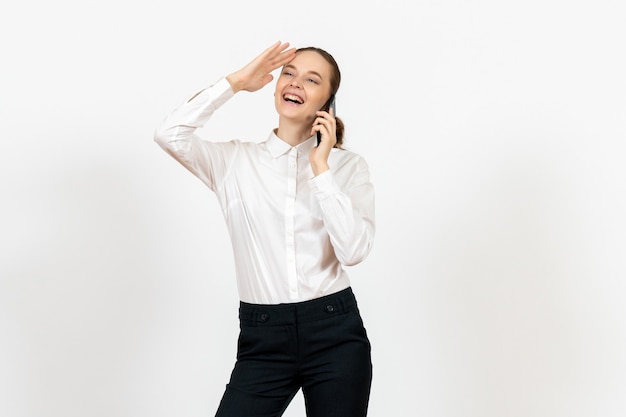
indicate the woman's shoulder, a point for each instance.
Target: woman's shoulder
{"x":347,"y":153}
{"x":347,"y":157}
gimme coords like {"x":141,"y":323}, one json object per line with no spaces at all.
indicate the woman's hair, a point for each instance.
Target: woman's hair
{"x":335,"y":80}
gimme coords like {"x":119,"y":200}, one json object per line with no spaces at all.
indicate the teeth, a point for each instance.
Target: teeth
{"x":293,"y":98}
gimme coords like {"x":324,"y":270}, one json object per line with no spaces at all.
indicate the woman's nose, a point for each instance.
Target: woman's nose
{"x":294,"y":83}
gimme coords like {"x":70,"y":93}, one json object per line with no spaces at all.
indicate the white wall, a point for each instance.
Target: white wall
{"x":495,"y":132}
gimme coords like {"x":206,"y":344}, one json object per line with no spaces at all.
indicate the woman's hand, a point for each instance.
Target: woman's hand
{"x":326,"y":124}
{"x":257,"y":74}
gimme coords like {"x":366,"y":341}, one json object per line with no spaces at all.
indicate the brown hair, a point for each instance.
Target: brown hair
{"x":335,"y":80}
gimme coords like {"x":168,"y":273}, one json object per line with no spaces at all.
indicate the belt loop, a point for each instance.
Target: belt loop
{"x":341,"y":306}
{"x":348,"y":301}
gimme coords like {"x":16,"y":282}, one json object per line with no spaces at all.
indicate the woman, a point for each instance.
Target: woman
{"x":297,"y":212}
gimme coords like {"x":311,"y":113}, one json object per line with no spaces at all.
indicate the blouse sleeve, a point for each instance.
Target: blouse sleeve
{"x":175,"y":134}
{"x":348,"y":214}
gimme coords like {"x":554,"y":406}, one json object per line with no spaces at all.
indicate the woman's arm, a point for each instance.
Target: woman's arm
{"x":176,"y":133}
{"x":348,"y":213}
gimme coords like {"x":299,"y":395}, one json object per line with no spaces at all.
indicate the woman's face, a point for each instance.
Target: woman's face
{"x":303,"y":86}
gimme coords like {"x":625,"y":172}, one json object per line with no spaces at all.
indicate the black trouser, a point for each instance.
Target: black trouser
{"x":319,"y":345}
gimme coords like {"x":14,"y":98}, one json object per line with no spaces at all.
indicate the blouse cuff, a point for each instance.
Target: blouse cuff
{"x":216,"y":94}
{"x":324,"y":185}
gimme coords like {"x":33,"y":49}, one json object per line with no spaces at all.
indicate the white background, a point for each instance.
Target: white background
{"x":495,"y":132}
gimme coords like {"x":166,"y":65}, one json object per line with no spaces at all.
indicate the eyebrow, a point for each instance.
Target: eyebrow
{"x":310,"y":72}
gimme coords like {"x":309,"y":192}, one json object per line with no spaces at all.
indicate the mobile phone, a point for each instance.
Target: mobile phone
{"x":330,"y":104}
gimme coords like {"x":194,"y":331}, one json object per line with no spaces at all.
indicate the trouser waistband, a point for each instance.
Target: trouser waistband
{"x":301,"y":312}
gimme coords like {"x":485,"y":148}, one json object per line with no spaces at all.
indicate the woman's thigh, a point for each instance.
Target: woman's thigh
{"x":338,"y":373}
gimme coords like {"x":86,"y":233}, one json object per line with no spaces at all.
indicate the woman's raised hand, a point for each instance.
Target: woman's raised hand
{"x":257,"y":74}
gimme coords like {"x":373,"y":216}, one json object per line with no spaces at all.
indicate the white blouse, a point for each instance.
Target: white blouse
{"x":291,"y":232}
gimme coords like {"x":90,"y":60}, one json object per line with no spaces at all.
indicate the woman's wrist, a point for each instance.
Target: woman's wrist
{"x":319,"y":168}
{"x":235,"y":84}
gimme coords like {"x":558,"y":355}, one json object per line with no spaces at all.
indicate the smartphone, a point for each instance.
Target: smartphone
{"x":330,"y":104}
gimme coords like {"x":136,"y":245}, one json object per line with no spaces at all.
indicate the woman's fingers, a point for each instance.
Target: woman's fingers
{"x":277,"y":55}
{"x":326,"y":124}
{"x":257,"y":73}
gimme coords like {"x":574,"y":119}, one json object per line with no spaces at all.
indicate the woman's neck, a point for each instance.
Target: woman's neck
{"x":293,"y":133}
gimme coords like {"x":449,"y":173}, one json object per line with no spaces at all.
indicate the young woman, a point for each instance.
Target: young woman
{"x":297,"y":212}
